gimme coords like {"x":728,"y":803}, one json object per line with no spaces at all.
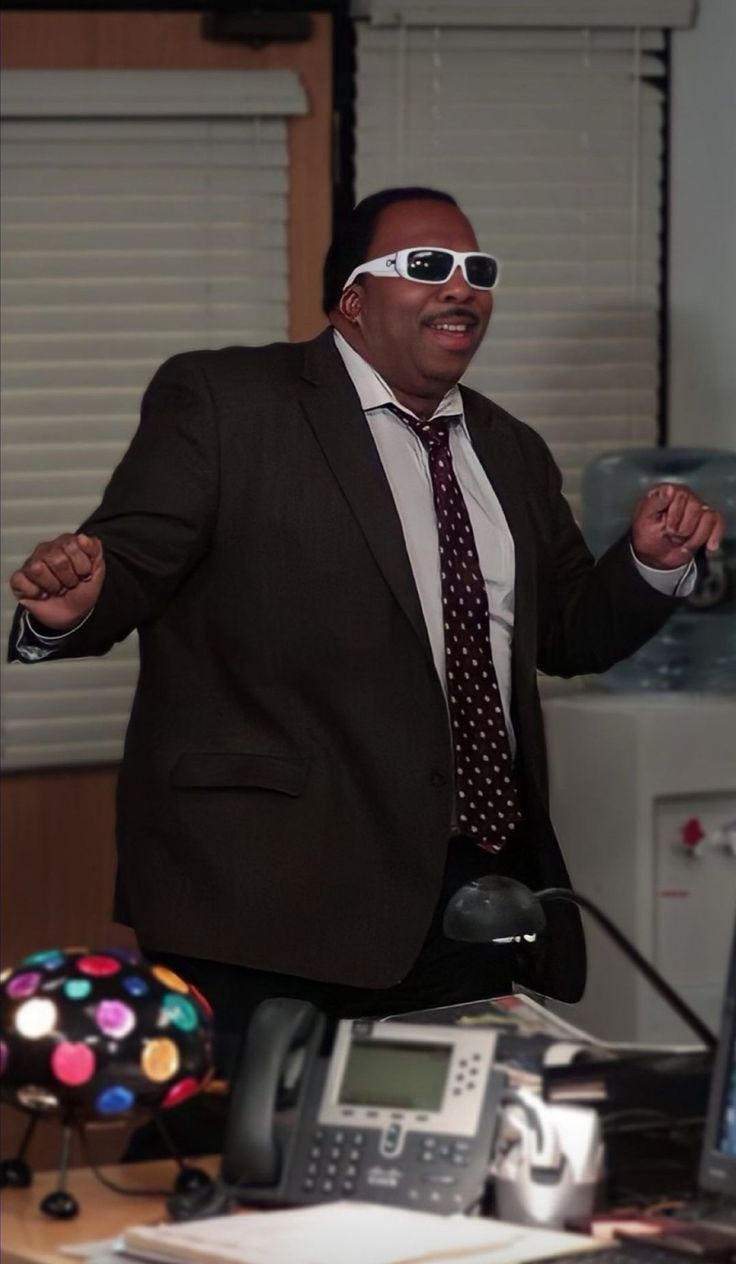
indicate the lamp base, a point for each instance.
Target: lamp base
{"x":60,"y":1205}
{"x":190,"y":1180}
{"x":15,"y":1174}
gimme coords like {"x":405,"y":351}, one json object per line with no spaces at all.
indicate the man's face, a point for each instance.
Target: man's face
{"x":402,"y":325}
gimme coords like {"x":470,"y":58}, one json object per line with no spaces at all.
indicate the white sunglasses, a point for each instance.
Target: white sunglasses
{"x":431,"y":265}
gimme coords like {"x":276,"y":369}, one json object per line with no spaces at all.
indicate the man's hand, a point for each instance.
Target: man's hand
{"x":61,"y":580}
{"x":670,"y":524}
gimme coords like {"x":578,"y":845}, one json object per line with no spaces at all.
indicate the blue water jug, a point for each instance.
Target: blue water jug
{"x":696,"y":650}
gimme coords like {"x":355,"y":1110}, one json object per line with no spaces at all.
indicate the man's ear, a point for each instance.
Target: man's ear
{"x":351,"y":304}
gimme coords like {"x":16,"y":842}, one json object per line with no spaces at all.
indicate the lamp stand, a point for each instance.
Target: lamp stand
{"x":60,"y":1204}
{"x":15,"y":1173}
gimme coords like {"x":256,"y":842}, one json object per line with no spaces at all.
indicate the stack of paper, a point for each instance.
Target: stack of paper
{"x":347,"y":1233}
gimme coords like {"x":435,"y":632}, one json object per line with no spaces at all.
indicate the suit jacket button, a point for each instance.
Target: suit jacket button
{"x":437,"y":778}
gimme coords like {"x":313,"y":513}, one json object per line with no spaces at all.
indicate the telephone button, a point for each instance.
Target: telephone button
{"x":358,"y":1138}
{"x":354,"y":1156}
{"x":308,"y":1183}
{"x":339,"y":1137}
{"x":391,"y":1142}
{"x":331,"y":1169}
{"x":348,"y":1187}
{"x":351,"y":1170}
{"x":312,"y":1169}
{"x":315,"y":1152}
{"x":336,"y":1152}
{"x":328,"y":1186}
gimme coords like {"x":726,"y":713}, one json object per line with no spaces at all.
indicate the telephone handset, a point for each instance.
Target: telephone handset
{"x":394,"y":1112}
{"x":282,"y":1037}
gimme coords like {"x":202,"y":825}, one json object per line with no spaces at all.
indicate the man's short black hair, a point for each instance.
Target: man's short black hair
{"x":353,"y":236}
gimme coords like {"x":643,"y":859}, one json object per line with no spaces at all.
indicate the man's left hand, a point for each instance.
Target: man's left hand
{"x":670,"y":524}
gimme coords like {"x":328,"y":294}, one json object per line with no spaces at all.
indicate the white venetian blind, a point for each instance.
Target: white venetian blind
{"x":144,"y":213}
{"x":552,"y":142}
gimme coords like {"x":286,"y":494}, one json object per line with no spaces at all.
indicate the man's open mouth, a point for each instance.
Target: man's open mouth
{"x":457,"y":332}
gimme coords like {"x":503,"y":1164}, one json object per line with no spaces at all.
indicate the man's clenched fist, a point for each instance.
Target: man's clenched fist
{"x":670,"y":523}
{"x":61,"y":580}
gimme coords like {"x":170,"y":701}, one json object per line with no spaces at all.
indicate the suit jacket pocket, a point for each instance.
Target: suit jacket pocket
{"x":234,"y":770}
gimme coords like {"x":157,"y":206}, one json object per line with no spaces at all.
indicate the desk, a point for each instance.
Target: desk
{"x":29,"y":1237}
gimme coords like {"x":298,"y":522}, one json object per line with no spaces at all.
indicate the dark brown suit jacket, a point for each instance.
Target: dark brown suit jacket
{"x":286,"y":792}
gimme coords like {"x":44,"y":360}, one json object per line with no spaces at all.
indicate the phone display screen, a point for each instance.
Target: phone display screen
{"x":396,"y":1074}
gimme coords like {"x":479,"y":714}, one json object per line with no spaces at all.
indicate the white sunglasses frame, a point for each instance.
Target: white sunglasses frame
{"x":395,"y":265}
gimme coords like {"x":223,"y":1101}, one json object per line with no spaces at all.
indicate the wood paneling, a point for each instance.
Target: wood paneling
{"x":58,"y":860}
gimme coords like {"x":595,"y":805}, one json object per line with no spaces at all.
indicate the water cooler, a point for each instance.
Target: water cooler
{"x":643,"y":798}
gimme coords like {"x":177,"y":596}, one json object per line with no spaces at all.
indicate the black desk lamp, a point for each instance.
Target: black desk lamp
{"x":493,"y":908}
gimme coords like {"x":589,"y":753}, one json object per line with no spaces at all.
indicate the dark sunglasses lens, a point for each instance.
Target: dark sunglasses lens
{"x":429,"y":265}
{"x":482,"y":271}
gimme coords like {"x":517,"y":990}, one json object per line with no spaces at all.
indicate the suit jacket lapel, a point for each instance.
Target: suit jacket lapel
{"x":334,"y":412}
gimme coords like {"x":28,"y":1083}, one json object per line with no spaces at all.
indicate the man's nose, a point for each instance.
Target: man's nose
{"x":456,"y":287}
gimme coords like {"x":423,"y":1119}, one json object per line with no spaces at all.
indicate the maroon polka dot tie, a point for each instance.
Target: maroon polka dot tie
{"x":486,"y":793}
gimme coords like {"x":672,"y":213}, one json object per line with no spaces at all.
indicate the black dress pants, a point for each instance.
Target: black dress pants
{"x":445,"y":973}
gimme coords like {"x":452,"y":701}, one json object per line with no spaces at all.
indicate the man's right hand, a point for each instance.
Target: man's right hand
{"x":61,"y":581}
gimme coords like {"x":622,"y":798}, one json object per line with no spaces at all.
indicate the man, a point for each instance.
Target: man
{"x":314,"y":541}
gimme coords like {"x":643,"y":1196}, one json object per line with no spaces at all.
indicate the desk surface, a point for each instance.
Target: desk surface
{"x":29,"y":1237}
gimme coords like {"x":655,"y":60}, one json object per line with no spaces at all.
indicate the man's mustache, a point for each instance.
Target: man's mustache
{"x":452,"y":313}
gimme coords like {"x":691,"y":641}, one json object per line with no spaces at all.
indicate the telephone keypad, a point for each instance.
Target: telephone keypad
{"x":344,"y":1164}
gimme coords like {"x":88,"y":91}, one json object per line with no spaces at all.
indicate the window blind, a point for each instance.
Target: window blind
{"x":552,"y":142}
{"x":144,"y":213}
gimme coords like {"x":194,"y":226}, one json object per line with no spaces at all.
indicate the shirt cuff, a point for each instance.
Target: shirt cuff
{"x":33,"y":646}
{"x":677,"y":582}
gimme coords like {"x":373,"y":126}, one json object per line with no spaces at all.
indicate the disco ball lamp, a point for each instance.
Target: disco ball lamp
{"x":91,"y":1034}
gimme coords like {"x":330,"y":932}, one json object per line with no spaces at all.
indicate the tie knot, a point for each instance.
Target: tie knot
{"x":433,"y":434}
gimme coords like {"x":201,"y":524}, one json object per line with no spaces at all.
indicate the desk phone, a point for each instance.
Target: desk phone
{"x":389,"y":1112}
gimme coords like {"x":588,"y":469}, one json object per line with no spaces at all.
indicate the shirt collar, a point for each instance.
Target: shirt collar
{"x":374,"y":392}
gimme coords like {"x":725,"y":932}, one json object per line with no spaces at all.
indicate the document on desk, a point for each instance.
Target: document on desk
{"x":334,"y":1233}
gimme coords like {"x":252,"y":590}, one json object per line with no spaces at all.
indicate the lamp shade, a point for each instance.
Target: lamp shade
{"x":493,"y":908}
{"x":97,"y":1033}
